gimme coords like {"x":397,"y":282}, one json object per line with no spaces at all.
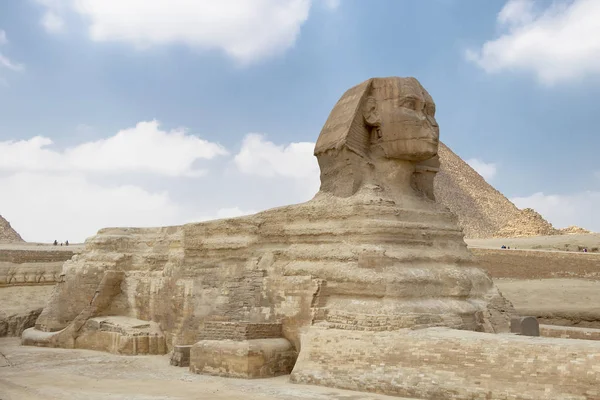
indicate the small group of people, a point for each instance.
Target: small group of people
{"x":61,"y":243}
{"x":505,"y":247}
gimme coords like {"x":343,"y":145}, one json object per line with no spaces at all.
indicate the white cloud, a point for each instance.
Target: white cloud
{"x":231,"y":212}
{"x":264,"y":158}
{"x":44,"y":207}
{"x":579,"y":209}
{"x":486,"y":170}
{"x":557,"y":41}
{"x":144,"y":148}
{"x":332,"y":4}
{"x":53,"y":18}
{"x":4,"y":60}
{"x":48,"y":194}
{"x":52,"y":22}
{"x":247,"y":30}
{"x":7,"y":63}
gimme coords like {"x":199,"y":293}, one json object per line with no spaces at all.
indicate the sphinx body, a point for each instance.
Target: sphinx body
{"x":371,"y":251}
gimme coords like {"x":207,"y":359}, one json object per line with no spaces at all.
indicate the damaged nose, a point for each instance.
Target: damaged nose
{"x":432,"y":121}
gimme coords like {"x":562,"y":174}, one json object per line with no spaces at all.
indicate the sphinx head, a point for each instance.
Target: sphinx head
{"x":377,"y":120}
{"x":406,"y":128}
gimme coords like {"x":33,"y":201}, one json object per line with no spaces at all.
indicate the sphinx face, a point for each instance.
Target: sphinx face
{"x":408,"y":128}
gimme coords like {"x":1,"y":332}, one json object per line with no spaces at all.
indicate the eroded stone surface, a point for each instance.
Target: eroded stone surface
{"x":439,"y":363}
{"x":525,"y":325}
{"x":242,"y":350}
{"x":255,"y":358}
{"x":181,"y":356}
{"x":26,"y":275}
{"x":7,"y":233}
{"x":401,"y":263}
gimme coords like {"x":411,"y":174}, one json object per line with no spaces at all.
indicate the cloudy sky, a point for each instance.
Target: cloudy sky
{"x":147,"y":113}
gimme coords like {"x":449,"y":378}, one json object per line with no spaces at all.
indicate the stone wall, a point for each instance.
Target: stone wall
{"x":569,"y":332}
{"x":20,"y":256}
{"x":439,"y":363}
{"x":239,"y":331}
{"x":532,"y":264}
{"x":26,"y":277}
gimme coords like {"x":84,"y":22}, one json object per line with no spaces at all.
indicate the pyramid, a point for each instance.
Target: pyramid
{"x":483,"y":212}
{"x":7,"y":233}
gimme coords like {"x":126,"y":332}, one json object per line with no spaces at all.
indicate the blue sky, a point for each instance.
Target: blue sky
{"x":117,"y":112}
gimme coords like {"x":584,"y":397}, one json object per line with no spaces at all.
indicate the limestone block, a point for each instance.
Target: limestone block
{"x":526,"y":326}
{"x":15,"y":324}
{"x":441,"y":363}
{"x":181,"y":356}
{"x":121,"y":335}
{"x":255,"y":358}
{"x":239,"y":330}
{"x":569,"y":332}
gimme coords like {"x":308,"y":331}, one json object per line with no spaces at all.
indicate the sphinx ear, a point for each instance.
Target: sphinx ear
{"x":345,"y":126}
{"x":371,"y":113}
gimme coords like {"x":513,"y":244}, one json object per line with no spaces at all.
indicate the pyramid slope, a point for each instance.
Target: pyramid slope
{"x":483,"y":212}
{"x":7,"y":233}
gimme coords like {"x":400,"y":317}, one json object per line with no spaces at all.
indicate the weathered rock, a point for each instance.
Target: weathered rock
{"x":15,"y":324}
{"x":256,"y":358}
{"x":26,"y":278}
{"x":483,"y":212}
{"x":242,"y":350}
{"x":525,"y":325}
{"x":122,"y":335}
{"x":7,"y":233}
{"x":181,"y":356}
{"x":573,"y":230}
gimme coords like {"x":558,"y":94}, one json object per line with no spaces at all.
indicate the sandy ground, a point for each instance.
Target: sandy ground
{"x":570,"y":302}
{"x":557,"y":243}
{"x":74,"y":247}
{"x":20,"y":299}
{"x":28,"y":373}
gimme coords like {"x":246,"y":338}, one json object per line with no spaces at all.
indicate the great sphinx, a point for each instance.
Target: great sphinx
{"x":371,"y":257}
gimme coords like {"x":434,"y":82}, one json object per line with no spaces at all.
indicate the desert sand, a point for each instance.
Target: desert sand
{"x":578,"y":242}
{"x":32,"y":373}
{"x":75,"y":247}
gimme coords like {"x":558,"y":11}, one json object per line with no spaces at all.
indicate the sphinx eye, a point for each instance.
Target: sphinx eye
{"x":409,"y":103}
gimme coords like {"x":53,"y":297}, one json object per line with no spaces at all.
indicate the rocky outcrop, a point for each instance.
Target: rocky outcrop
{"x":13,"y":324}
{"x":527,"y":223}
{"x":573,"y":230}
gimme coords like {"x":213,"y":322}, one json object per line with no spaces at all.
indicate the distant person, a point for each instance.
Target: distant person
{"x":503,"y":247}
{"x":66,"y":242}
{"x":585,"y":250}
{"x":55,"y":242}
{"x":61,"y":243}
